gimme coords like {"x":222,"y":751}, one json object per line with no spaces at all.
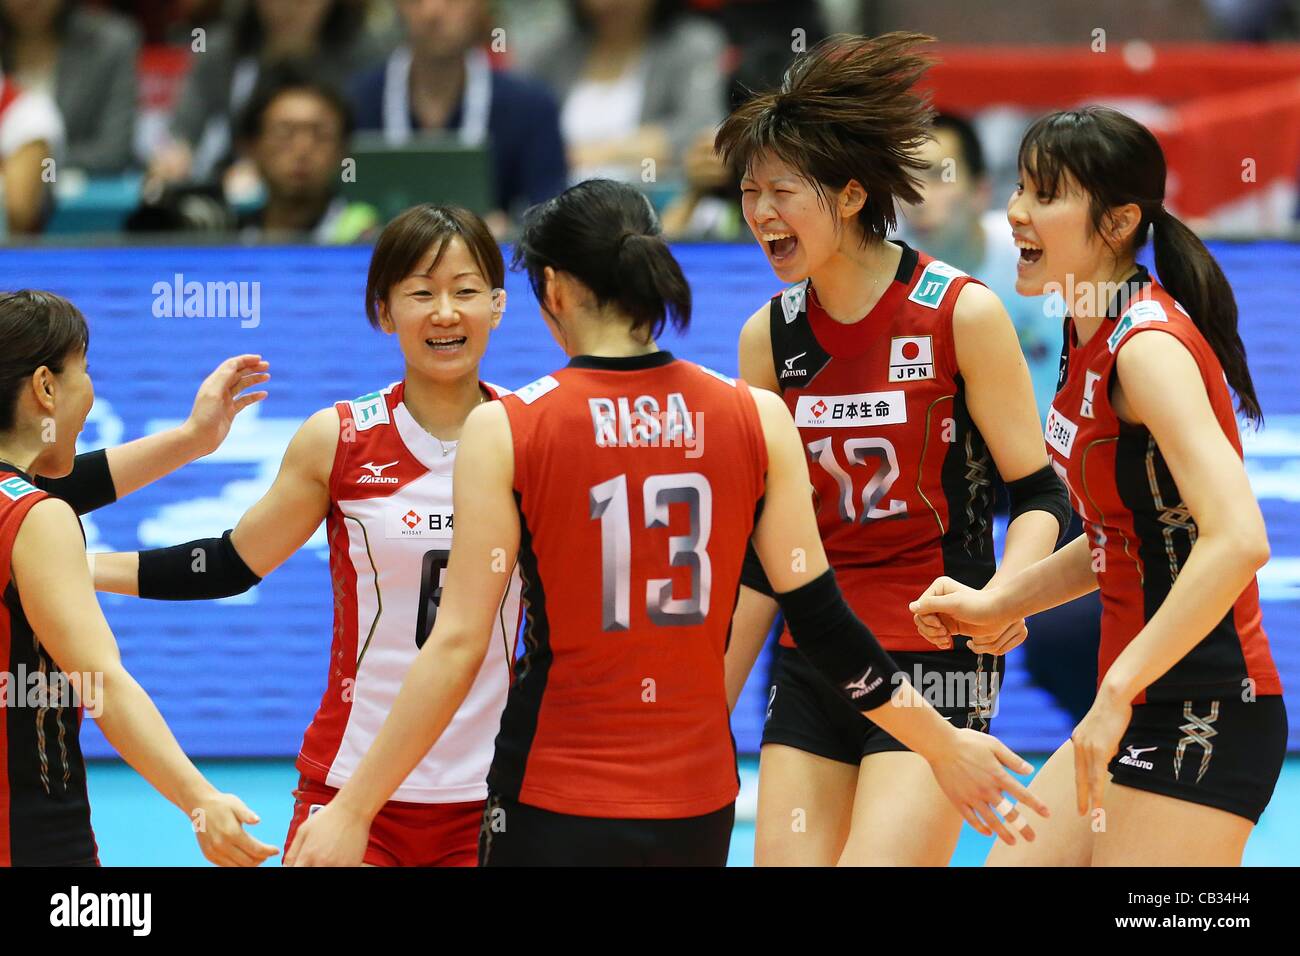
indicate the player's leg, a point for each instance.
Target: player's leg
{"x":901,"y":817}
{"x":808,"y":768}
{"x":805,"y":803}
{"x":1190,"y":781}
{"x":1063,"y":839}
{"x":1152,"y":829}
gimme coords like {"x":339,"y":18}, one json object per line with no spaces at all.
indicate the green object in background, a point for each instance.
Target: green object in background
{"x":438,"y":170}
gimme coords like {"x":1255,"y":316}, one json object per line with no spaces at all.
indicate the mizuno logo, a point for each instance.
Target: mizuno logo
{"x":1130,"y":759}
{"x":376,"y":476}
{"x":861,"y":687}
{"x":790,"y":370}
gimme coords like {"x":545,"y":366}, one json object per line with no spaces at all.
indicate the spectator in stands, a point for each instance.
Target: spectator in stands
{"x":440,"y":80}
{"x":295,"y":129}
{"x":955,"y":224}
{"x":225,"y":71}
{"x":31,"y":132}
{"x":638,"y":80}
{"x":85,"y":61}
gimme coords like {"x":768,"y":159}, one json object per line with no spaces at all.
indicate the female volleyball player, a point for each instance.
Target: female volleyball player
{"x":1144,"y":431}
{"x":57,"y":651}
{"x":627,"y":484}
{"x":911,"y":395}
{"x":378,"y":470}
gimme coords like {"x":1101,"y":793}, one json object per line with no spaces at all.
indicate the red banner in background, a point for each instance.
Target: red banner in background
{"x":1229,"y":118}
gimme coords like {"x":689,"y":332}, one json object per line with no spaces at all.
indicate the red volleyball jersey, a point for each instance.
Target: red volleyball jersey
{"x":902,"y":478}
{"x":1132,"y":509}
{"x":637,"y":481}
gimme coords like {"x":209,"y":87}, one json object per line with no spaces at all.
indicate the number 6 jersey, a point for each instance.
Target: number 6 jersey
{"x":389,"y":527}
{"x":902,"y":478}
{"x":637,"y":481}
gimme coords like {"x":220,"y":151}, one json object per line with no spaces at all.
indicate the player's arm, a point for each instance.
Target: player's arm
{"x":751,"y":622}
{"x":49,"y":568}
{"x":101,"y":477}
{"x":267,"y":535}
{"x":1060,"y":577}
{"x":969,"y":766}
{"x":1000,"y":396}
{"x":756,"y":607}
{"x":1160,"y":386}
{"x":483,"y":554}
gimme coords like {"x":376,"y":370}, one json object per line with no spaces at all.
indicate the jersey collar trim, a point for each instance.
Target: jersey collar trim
{"x":622,"y":363}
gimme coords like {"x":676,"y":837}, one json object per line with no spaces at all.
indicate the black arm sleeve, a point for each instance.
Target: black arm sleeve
{"x":752,"y":574}
{"x":87,"y":487}
{"x":1042,"y":491}
{"x":195,"y":571}
{"x":838,"y":644}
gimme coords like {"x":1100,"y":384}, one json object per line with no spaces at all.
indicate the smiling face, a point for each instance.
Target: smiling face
{"x":443,"y":314}
{"x":791,"y":220}
{"x":71,"y":394}
{"x":1058,"y":246}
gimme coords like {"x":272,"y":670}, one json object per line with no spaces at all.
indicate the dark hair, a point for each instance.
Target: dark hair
{"x":972,"y":153}
{"x":846,"y":110}
{"x":606,"y":235}
{"x":291,"y":76}
{"x":344,"y":20}
{"x":664,"y":14}
{"x":1116,"y":161}
{"x":37,"y":328}
{"x":406,"y":240}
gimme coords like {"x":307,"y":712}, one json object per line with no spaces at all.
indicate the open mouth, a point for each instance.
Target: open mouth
{"x":1029,"y":253}
{"x":445,"y":343}
{"x":780,"y":245}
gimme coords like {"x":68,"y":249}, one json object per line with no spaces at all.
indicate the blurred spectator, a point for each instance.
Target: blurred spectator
{"x":85,"y":61}
{"x":31,"y":132}
{"x":440,"y":80}
{"x":637,"y":79}
{"x":296,"y":130}
{"x":293,"y":133}
{"x":225,"y":71}
{"x":955,"y":224}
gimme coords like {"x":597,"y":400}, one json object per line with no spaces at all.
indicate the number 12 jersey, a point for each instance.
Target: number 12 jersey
{"x":902,"y":478}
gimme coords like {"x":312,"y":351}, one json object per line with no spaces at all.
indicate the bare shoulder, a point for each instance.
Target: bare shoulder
{"x":977,"y":308}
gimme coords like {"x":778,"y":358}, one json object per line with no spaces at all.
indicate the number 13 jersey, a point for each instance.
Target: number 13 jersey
{"x":637,"y":481}
{"x":389,"y":527}
{"x":902,"y":479}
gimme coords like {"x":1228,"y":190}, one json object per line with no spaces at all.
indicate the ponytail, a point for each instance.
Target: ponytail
{"x":650,"y":283}
{"x":1192,"y":276}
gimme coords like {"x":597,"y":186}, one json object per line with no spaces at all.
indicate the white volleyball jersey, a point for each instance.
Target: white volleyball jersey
{"x":389,"y":528}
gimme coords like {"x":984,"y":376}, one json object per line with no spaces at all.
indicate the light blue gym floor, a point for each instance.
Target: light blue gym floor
{"x":137,"y":827}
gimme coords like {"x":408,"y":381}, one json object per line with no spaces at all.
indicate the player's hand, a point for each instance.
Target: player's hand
{"x":1011,"y":637}
{"x":218,"y":823}
{"x":949,"y":608}
{"x":329,"y":837}
{"x":221,"y":397}
{"x":1096,"y":739}
{"x":972,"y":772}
